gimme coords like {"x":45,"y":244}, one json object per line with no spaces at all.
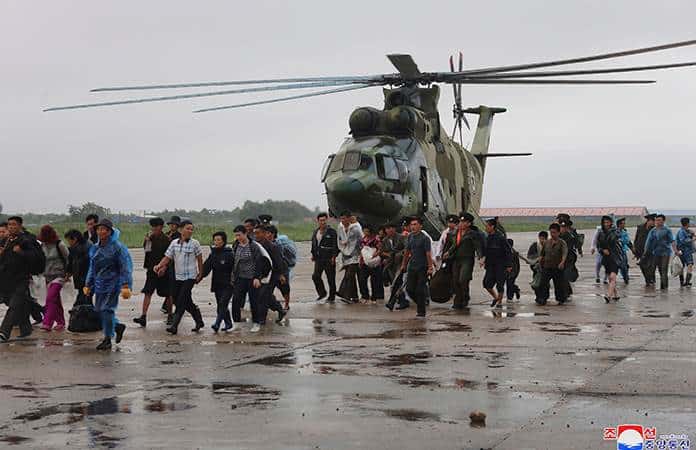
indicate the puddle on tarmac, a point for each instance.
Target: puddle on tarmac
{"x":404,"y":359}
{"x":511,"y":314}
{"x":559,"y":328}
{"x":502,"y":330}
{"x":246,"y":394}
{"x":13,"y":440}
{"x":79,"y":411}
{"x":417,"y":381}
{"x":411,"y":415}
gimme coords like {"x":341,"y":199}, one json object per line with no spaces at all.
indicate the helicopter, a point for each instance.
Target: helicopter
{"x":398,"y":161}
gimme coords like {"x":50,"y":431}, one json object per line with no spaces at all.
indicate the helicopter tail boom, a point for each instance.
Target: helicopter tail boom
{"x":482,"y":138}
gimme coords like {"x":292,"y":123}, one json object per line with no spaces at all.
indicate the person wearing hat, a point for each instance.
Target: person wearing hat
{"x":497,"y":260}
{"x":439,"y":249}
{"x":462,"y":247}
{"x":110,"y":275}
{"x":265,"y":219}
{"x":173,"y":233}
{"x":685,"y":250}
{"x":155,"y":245}
{"x":609,"y":246}
{"x":392,"y":254}
{"x":645,"y":262}
{"x":626,"y":245}
{"x":660,"y":244}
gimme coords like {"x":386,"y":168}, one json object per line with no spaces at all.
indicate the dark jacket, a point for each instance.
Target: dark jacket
{"x":262,"y":267}
{"x":497,"y":250}
{"x":609,"y":240}
{"x":469,"y":245}
{"x":280,"y":267}
{"x":641,"y":237}
{"x":327,"y":248}
{"x":78,"y":263}
{"x":159,"y":245}
{"x":14,"y":266}
{"x":221,"y":263}
{"x":93,"y":239}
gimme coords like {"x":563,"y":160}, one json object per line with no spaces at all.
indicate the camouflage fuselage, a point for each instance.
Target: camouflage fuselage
{"x":399,"y":163}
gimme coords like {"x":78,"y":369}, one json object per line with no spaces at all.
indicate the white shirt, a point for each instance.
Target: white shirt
{"x":184,"y":255}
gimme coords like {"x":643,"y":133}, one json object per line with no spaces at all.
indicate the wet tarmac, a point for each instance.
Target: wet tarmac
{"x":339,"y":376}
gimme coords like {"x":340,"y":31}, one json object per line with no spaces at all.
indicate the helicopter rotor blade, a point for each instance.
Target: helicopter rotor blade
{"x":459,"y":97}
{"x":405,"y":65}
{"x":357,"y":79}
{"x":200,"y":94}
{"x":283,"y":99}
{"x":533,"y":81}
{"x":582,"y":59}
{"x":581,"y":72}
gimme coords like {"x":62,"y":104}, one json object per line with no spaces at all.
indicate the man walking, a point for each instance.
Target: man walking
{"x":155,"y":245}
{"x":187,"y":256}
{"x":266,"y":299}
{"x":417,"y":264}
{"x":645,"y":262}
{"x":660,"y":244}
{"x":20,"y":257}
{"x":393,"y":247}
{"x":685,"y":250}
{"x":349,"y":236}
{"x":552,"y":260}
{"x":460,"y":249}
{"x":91,"y":233}
{"x":172,"y":233}
{"x":570,"y":236}
{"x":324,"y":252}
{"x":497,"y":261}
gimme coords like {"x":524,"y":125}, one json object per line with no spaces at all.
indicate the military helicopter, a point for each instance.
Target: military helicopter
{"x":398,"y":160}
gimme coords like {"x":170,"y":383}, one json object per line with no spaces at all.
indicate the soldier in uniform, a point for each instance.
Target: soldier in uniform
{"x":392,"y":254}
{"x":461,"y":248}
{"x":570,"y":236}
{"x":645,"y":261}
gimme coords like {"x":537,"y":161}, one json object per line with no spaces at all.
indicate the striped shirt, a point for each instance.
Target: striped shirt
{"x":184,"y":255}
{"x":245,"y":261}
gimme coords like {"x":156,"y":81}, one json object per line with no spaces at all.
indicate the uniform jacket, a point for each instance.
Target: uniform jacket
{"x":327,"y":248}
{"x":639,"y":242}
{"x":470,"y":245}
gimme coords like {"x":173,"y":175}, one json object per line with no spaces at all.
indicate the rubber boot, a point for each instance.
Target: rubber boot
{"x":198,"y":318}
{"x":173,"y":328}
{"x":688,"y":279}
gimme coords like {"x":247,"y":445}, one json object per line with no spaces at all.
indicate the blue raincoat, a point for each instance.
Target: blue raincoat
{"x":110,"y":268}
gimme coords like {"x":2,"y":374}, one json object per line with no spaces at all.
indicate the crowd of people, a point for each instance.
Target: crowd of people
{"x":401,"y":256}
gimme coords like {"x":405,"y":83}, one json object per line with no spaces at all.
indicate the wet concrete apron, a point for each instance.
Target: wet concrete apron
{"x":338,"y":376}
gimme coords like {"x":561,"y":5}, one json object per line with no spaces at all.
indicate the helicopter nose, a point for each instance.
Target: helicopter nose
{"x":348,"y":187}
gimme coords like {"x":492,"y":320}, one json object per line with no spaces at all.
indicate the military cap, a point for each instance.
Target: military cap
{"x":466,"y":217}
{"x":650,"y":216}
{"x":452,"y":218}
{"x":156,"y":222}
{"x":265,"y":218}
{"x":174,"y":220}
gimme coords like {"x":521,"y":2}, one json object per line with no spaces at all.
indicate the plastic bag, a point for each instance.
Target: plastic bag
{"x":676,"y":267}
{"x":370,"y":257}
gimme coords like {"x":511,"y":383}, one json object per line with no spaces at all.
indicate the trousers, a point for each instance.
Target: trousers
{"x":376,"y":285}
{"x":242,"y":288}
{"x":349,"y":286}
{"x":105,"y":305}
{"x":662,"y":264}
{"x":266,"y":301}
{"x":647,"y":267}
{"x":222,"y":298}
{"x":54,"y":306}
{"x":329,"y":269}
{"x":17,"y":312}
{"x":416,"y":285}
{"x":559,"y":286}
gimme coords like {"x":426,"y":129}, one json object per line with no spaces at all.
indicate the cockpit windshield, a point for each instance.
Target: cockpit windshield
{"x":357,"y":161}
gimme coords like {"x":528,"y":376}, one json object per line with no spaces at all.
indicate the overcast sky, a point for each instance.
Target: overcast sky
{"x":600,"y":145}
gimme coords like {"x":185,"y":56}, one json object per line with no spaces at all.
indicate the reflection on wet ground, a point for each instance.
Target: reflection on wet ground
{"x":332,"y":374}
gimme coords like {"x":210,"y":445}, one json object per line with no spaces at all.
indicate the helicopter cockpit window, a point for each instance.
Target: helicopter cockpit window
{"x":327,"y":165}
{"x":357,"y":161}
{"x":387,"y":168}
{"x":337,"y":162}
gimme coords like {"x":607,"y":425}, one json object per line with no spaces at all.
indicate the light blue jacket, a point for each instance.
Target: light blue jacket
{"x":110,"y":266}
{"x":685,"y":241}
{"x":659,"y":242}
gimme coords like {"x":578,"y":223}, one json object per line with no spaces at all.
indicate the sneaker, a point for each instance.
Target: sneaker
{"x":597,"y":280}
{"x":320,"y":298}
{"x":170,"y":319}
{"x":401,"y":306}
{"x":230,"y":328}
{"x":331,"y":300}
{"x":142,"y":321}
{"x":607,"y":299}
{"x":255,"y":328}
{"x":4,"y":337}
{"x":120,"y":328}
{"x":281,"y":315}
{"x":215,"y":327}
{"x":105,"y":344}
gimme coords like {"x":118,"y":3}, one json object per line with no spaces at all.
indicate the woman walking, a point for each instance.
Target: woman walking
{"x":609,"y":246}
{"x":56,"y":254}
{"x":78,"y":263}
{"x":110,"y":274}
{"x":221,"y":263}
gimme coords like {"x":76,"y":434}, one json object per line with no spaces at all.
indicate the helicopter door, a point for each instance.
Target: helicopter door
{"x":424,"y":188}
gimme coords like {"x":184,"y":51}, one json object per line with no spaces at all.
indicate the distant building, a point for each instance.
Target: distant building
{"x":631,"y":213}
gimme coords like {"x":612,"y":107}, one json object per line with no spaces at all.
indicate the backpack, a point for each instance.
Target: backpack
{"x":83,"y":318}
{"x":287,"y":250}
{"x":35,"y":257}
